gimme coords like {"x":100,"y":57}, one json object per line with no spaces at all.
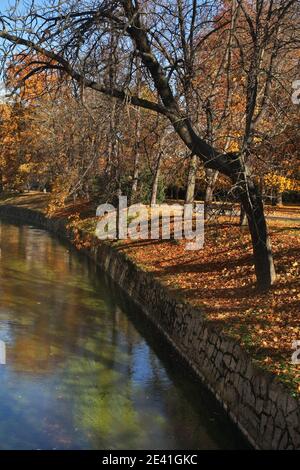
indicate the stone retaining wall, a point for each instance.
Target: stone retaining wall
{"x":261,"y":406}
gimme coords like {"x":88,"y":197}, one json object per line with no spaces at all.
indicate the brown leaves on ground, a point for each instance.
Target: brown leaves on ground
{"x":220,"y":280}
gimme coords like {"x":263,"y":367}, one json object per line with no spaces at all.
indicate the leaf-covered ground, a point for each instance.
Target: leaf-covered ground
{"x":219,"y":279}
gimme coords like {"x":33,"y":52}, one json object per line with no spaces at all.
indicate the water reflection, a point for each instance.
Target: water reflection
{"x":79,"y":372}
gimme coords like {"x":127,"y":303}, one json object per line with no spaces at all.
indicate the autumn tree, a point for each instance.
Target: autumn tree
{"x":75,"y":38}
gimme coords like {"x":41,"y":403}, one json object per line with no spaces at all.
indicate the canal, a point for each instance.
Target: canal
{"x":83,"y":370}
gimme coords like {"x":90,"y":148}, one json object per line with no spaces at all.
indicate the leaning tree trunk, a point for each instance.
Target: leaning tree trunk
{"x":191,"y":184}
{"x":251,"y":200}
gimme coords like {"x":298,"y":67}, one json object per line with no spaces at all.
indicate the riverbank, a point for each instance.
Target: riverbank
{"x":214,"y":339}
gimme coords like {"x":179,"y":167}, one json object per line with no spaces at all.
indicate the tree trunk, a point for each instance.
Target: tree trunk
{"x":279,"y":198}
{"x":155,"y":180}
{"x":262,"y":188}
{"x":263,"y":260}
{"x":191,"y":184}
{"x":230,"y":164}
{"x":243,"y":216}
{"x":136,"y":169}
{"x":112,"y":140}
{"x":211,"y":178}
{"x":111,"y":144}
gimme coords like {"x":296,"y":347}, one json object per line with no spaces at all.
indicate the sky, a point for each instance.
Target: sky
{"x":5,"y":3}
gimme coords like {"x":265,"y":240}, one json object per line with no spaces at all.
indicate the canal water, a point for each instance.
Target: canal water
{"x":83,"y":370}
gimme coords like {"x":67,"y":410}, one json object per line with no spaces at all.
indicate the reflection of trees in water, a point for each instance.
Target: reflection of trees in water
{"x":104,"y":386}
{"x":115,"y":410}
{"x":193,"y":419}
{"x":50,"y":297}
{"x":64,"y":324}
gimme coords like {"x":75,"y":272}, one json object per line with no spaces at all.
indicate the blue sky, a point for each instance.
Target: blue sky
{"x":5,"y":3}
